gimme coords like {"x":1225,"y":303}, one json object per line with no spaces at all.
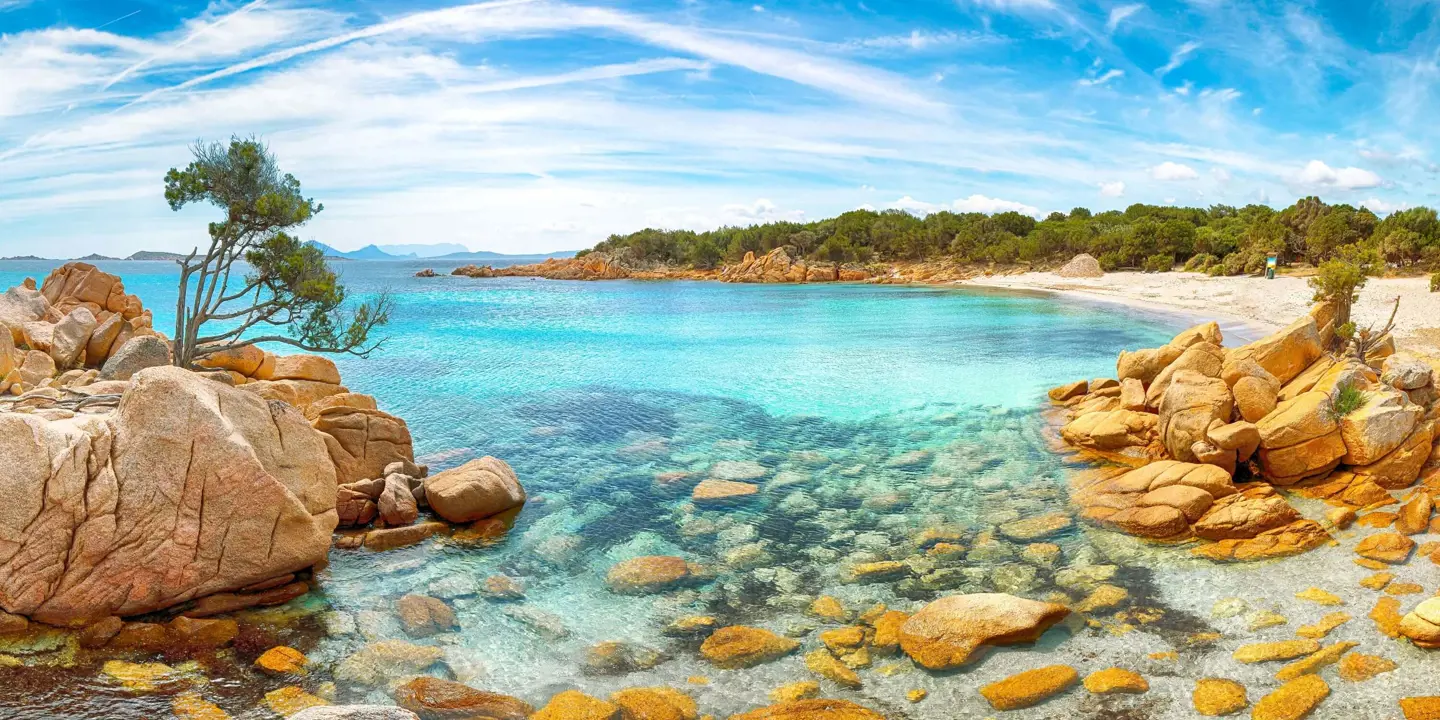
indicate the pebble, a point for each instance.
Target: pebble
{"x":1028,"y":688}
{"x":1214,"y":697}
{"x":1115,"y":680}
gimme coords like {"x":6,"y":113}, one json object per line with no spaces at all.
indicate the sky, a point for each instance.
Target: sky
{"x":542,"y":125}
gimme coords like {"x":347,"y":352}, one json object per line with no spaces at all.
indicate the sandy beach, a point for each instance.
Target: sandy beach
{"x":1266,"y":304}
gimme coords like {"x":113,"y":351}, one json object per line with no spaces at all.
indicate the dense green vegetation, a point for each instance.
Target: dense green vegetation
{"x":1220,"y":240}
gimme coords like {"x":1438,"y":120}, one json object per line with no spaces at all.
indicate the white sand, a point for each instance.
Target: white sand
{"x":1268,"y":304}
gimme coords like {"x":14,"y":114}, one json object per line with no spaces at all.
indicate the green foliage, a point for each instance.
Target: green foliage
{"x":1240,"y":237}
{"x":287,"y":284}
{"x":1159,"y":263}
{"x":1346,"y":398}
{"x":1201,"y":263}
{"x":1435,"y":281}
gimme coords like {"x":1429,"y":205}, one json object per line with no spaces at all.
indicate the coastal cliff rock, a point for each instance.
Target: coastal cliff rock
{"x":777,"y":266}
{"x":186,"y":489}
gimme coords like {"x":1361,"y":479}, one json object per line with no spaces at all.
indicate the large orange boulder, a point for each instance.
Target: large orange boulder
{"x":362,"y":441}
{"x":1287,"y":353}
{"x":1190,"y":405}
{"x":431,"y":697}
{"x":1380,"y":425}
{"x":479,"y":489}
{"x":1245,"y":515}
{"x":189,"y":488}
{"x":77,"y":284}
{"x":944,"y":634}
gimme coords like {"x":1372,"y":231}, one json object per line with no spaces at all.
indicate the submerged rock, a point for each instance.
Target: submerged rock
{"x":815,"y":709}
{"x":739,"y":646}
{"x":1215,"y":697}
{"x":479,"y":489}
{"x":1028,"y":688}
{"x":355,"y":712}
{"x":433,"y":697}
{"x":945,"y":633}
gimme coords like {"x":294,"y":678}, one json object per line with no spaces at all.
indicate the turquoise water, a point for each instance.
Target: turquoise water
{"x":867,"y":414}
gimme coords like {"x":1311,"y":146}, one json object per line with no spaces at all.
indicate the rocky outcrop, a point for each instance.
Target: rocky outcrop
{"x":777,"y":266}
{"x":187,"y":488}
{"x":1264,"y":411}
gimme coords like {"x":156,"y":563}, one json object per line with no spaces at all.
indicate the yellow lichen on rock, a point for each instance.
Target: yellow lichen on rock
{"x":1028,"y":688}
{"x":1214,"y":697}
{"x":1115,"y":680}
{"x":1293,"y":700}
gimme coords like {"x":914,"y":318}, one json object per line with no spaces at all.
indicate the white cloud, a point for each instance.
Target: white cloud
{"x":916,"y":40}
{"x":1220,"y":174}
{"x":1015,"y":5}
{"x":513,"y":17}
{"x":1381,"y":207}
{"x":1177,"y":58}
{"x":1173,"y":171}
{"x":974,"y":203}
{"x":980,"y":203}
{"x":1119,"y":13}
{"x":1112,"y":189}
{"x":1318,"y":174}
{"x":1109,"y":75}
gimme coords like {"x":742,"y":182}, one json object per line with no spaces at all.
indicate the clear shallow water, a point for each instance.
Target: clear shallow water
{"x":872,"y":413}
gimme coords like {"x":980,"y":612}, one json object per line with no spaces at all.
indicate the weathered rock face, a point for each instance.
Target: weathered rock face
{"x":1190,"y":405}
{"x":1246,"y":515}
{"x":361,"y":441}
{"x":1286,"y":353}
{"x":1114,"y":430}
{"x":71,"y":336}
{"x":1159,"y":500}
{"x":1378,"y":426}
{"x":777,"y":266}
{"x":78,"y":284}
{"x":188,"y":488}
{"x":137,"y":354}
{"x":944,"y":634}
{"x":1300,"y":439}
{"x":476,"y":490}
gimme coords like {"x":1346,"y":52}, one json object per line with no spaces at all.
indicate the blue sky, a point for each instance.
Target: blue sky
{"x":536,"y":125}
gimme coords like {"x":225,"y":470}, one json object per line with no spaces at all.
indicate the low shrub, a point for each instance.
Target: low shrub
{"x":1159,"y":263}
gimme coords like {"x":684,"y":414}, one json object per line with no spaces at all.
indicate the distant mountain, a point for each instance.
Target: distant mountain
{"x":92,"y":257}
{"x":152,"y":255}
{"x":379,"y":252}
{"x":423,"y":250}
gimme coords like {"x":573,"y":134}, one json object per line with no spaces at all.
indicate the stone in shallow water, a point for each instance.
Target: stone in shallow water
{"x":655,"y":703}
{"x":816,"y":709}
{"x":803,"y":690}
{"x":740,"y":646}
{"x":1312,"y":663}
{"x":827,"y":607}
{"x":1028,"y":688}
{"x":356,"y":712}
{"x":423,"y":616}
{"x":1320,"y":597}
{"x":191,"y":706}
{"x":648,"y":574}
{"x":290,"y":701}
{"x":618,"y":658}
{"x":822,"y":663}
{"x":1387,"y":617}
{"x":428,"y":696}
{"x":545,"y":624}
{"x":138,"y":677}
{"x":720,"y":492}
{"x":1392,"y":548}
{"x":1358,"y":667}
{"x":1038,"y":527}
{"x":575,"y":705}
{"x":1323,"y":628}
{"x":945,"y":633}
{"x":378,"y":662}
{"x":282,"y":660}
{"x":1214,"y":697}
{"x":1293,"y":700}
{"x":1115,"y":680}
{"x":1281,"y":650}
{"x":1104,"y":597}
{"x":1420,"y":708}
